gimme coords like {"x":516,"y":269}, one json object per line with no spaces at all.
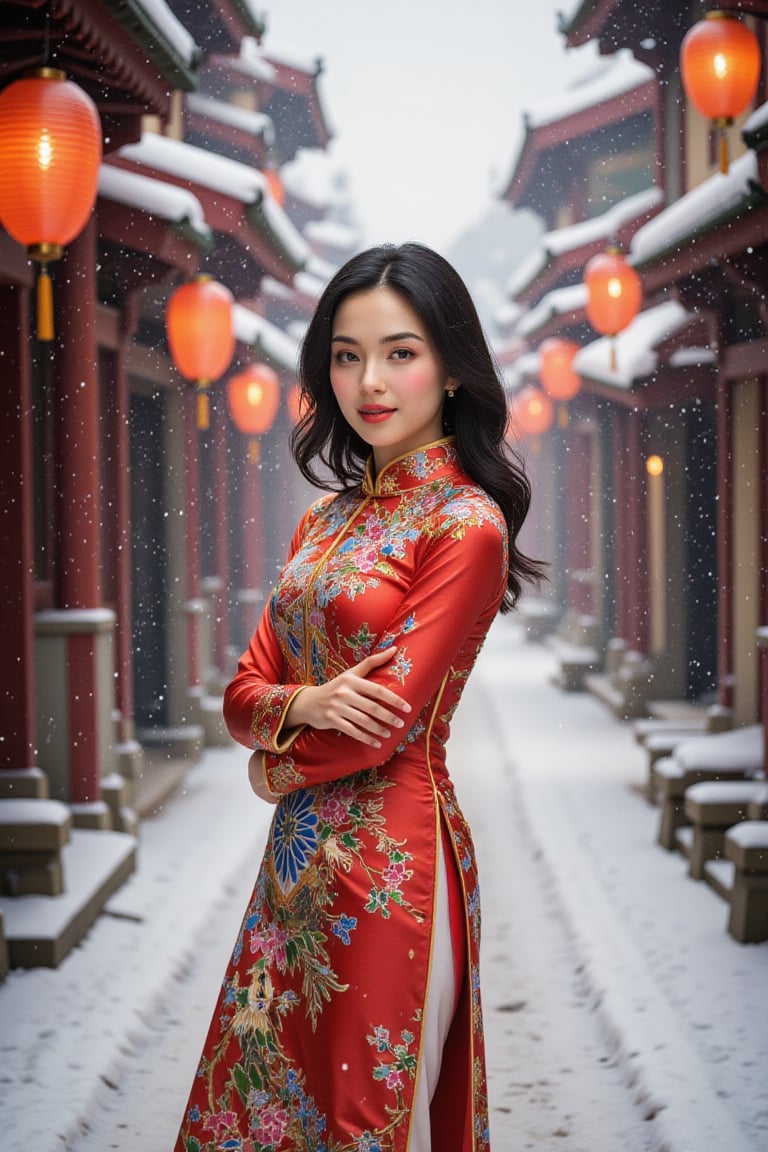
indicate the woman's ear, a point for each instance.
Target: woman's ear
{"x":452,"y":386}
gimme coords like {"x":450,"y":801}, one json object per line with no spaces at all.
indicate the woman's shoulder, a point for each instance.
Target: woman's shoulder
{"x":469,"y":506}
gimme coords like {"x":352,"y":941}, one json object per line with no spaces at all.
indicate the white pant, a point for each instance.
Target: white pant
{"x":438,"y":1012}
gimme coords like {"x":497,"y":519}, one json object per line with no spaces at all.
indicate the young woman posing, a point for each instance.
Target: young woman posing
{"x":349,"y":1018}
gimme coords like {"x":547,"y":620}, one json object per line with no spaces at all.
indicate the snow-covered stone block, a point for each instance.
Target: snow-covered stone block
{"x":746,"y":846}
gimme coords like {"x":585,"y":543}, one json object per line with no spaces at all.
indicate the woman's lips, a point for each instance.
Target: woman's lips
{"x":375,"y":415}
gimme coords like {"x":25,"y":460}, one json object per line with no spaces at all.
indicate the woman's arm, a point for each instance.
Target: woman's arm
{"x":455,"y":594}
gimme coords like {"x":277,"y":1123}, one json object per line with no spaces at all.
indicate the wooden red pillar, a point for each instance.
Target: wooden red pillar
{"x":78,"y":584}
{"x":578,"y":469}
{"x":637,"y":537}
{"x":220,"y":511}
{"x":17,"y":699}
{"x":620,"y":530}
{"x":192,"y":534}
{"x":122,"y":560}
{"x":725,"y":543}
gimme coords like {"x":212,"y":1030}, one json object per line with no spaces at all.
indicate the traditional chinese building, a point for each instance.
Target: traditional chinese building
{"x":137,"y":546}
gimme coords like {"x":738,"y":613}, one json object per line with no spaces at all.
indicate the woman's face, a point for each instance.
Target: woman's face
{"x":386,"y":375}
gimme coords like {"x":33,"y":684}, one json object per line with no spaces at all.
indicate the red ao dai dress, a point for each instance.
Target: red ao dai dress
{"x":316,"y":1041}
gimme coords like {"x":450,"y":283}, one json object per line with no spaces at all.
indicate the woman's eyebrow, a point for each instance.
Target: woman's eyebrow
{"x":393,"y":339}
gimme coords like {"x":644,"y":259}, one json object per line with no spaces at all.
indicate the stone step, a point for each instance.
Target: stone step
{"x":41,"y":930}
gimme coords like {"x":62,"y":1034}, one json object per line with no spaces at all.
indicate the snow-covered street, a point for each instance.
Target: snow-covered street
{"x":605,"y":1027}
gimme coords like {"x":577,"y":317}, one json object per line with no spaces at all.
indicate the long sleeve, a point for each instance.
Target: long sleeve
{"x":257,"y":699}
{"x":458,"y":586}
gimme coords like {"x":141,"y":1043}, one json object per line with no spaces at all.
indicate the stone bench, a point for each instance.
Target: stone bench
{"x":576,"y":648}
{"x":660,"y":742}
{"x":625,"y":685}
{"x":539,"y":617}
{"x":746,"y":846}
{"x":32,"y":835}
{"x":712,"y":808}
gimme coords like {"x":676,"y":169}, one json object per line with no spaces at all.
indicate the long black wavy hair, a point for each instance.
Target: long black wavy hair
{"x":476,"y":415}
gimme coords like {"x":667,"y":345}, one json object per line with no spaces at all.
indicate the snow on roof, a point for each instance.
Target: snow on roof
{"x":320,"y":269}
{"x":290,"y":58}
{"x":602,"y":227}
{"x":703,"y":206}
{"x":332,"y":233}
{"x":692,"y":357}
{"x":171,"y":29}
{"x":507,"y":314}
{"x":251,"y":62}
{"x":152,"y":196}
{"x":311,"y":177}
{"x":611,"y":77}
{"x":246,"y":120}
{"x":605,"y":226}
{"x":199,"y":166}
{"x":555,"y":303}
{"x":758,"y":120}
{"x":273,"y":288}
{"x":220,"y":174}
{"x":527,"y":271}
{"x":276,"y":345}
{"x":309,"y":284}
{"x":740,"y":748}
{"x":636,"y":355}
{"x":297,"y":329}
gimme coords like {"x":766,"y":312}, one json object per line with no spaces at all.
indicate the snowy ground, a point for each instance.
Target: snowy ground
{"x":619,"y":1012}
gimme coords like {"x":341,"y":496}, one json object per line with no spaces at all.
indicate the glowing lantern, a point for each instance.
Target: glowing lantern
{"x":558,"y":378}
{"x":201,"y":335}
{"x":296,"y":403}
{"x":533,"y":412}
{"x":720,"y":64}
{"x":50,"y":152}
{"x":254,"y":398}
{"x":614,"y":294}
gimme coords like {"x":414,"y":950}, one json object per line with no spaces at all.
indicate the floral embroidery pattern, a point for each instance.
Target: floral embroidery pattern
{"x":339,"y":869}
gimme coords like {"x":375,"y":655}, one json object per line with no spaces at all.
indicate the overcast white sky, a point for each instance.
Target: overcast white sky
{"x":425,"y":99}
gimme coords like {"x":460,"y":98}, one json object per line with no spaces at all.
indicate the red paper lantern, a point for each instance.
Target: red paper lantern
{"x":296,"y":402}
{"x":615,"y":292}
{"x":201,"y":335}
{"x":50,"y":152}
{"x":532,"y":412}
{"x":720,"y":65}
{"x":558,"y":378}
{"x":254,"y":398}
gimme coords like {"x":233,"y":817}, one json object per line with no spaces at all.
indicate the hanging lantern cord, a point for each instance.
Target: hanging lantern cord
{"x":203,"y":406}
{"x":722,"y":126}
{"x":42,"y":254}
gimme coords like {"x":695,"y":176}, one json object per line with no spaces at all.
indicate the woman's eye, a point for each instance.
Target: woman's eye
{"x":402,"y":353}
{"x":345,"y":356}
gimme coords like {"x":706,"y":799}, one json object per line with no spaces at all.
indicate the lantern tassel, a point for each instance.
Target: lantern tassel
{"x":562,"y":416}
{"x":44,"y":305}
{"x":203,"y":409}
{"x":722,"y":151}
{"x":254,"y":452}
{"x":614,"y":362}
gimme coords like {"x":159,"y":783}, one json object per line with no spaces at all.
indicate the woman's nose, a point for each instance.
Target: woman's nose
{"x":370,"y":380}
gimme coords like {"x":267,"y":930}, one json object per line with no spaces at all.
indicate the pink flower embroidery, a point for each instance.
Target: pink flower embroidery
{"x":271,"y":1126}
{"x":332,"y":810}
{"x":394,"y":875}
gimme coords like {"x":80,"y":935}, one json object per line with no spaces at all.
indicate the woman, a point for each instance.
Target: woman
{"x":349,"y":1017}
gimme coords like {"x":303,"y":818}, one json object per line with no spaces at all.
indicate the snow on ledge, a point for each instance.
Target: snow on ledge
{"x":741,"y":749}
{"x":750,"y":834}
{"x":613,"y":76}
{"x":605,"y":226}
{"x":556,"y":303}
{"x":152,"y":196}
{"x":250,"y":328}
{"x":636,"y":356}
{"x":697,"y":209}
{"x":244,"y":119}
{"x":758,"y":120}
{"x":171,"y":29}
{"x":199,"y":166}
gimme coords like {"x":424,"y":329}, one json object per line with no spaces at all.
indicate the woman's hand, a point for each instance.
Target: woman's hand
{"x":351,"y":704}
{"x":257,"y":779}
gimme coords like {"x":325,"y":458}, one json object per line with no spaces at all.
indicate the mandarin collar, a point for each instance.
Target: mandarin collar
{"x":423,"y":466}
